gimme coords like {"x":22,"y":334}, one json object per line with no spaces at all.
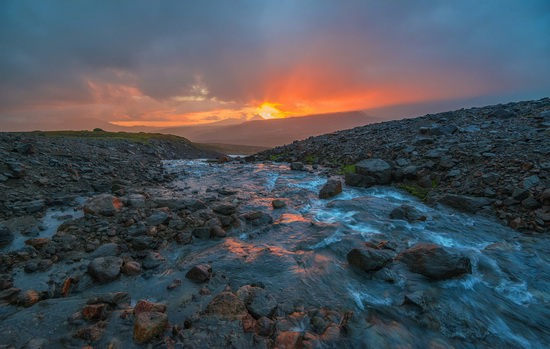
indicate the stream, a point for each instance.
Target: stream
{"x":301,"y":259}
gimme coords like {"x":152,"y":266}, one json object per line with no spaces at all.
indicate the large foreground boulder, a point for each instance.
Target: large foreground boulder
{"x":436,"y":262}
{"x":378,"y":169}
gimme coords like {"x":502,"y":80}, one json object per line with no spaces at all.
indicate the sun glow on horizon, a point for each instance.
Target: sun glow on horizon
{"x":269,"y":110}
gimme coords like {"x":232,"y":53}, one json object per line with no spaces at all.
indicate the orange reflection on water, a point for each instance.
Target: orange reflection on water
{"x":250,"y":252}
{"x":292,"y":218}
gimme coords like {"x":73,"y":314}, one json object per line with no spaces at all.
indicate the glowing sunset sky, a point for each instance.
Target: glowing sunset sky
{"x":164,"y":63}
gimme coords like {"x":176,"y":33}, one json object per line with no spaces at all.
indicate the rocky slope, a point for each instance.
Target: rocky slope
{"x":494,"y":159}
{"x":42,"y":169}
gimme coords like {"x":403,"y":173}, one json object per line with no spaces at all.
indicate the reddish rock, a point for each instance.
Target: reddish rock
{"x":131,"y":268}
{"x":226,"y":305}
{"x":67,"y":286}
{"x":145,"y":306}
{"x":37,"y":243}
{"x":174,"y":284}
{"x":265,"y":327}
{"x":289,"y":340}
{"x":95,"y":311}
{"x":26,"y":299}
{"x":249,"y":323}
{"x":91,"y":333}
{"x":148,"y":325}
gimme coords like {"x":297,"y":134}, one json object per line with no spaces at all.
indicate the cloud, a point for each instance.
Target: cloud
{"x":185,"y":60}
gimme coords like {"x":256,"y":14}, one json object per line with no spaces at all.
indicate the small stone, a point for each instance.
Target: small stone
{"x":289,"y":340}
{"x":368,"y":259}
{"x":201,"y":232}
{"x":148,"y":325}
{"x":258,"y":301}
{"x":26,"y":299}
{"x":515,"y":223}
{"x":146,"y":306}
{"x":104,"y":204}
{"x":105,"y":269}
{"x":228,"y":306}
{"x":6,"y":236}
{"x":297,"y":166}
{"x":520,"y":194}
{"x":174,"y":284}
{"x":91,"y":333}
{"x":217,"y":232}
{"x":31,"y":267}
{"x":265,"y":327}
{"x":131,"y":268}
{"x":184,"y":238}
{"x":95,"y":311}
{"x":199,"y":273}
{"x":224,"y":208}
{"x":332,"y":188}
{"x":278,"y":203}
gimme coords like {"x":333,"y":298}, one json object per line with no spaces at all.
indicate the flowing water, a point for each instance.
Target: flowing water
{"x":301,"y":259}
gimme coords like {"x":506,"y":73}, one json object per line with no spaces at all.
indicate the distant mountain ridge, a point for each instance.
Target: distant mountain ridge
{"x":274,"y":132}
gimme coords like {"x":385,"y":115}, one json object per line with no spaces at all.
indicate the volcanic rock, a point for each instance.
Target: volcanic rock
{"x":199,"y":273}
{"x":227,"y":306}
{"x":369,"y":259}
{"x":104,"y":204}
{"x":146,"y":306}
{"x":258,"y":301}
{"x":378,"y":169}
{"x":148,"y":325}
{"x":436,"y":262}
{"x":332,"y":188}
{"x":105,"y":269}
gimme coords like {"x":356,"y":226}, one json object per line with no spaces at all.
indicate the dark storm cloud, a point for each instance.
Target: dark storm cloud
{"x":52,"y":52}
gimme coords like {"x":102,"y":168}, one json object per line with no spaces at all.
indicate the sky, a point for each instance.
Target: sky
{"x":166,"y":63}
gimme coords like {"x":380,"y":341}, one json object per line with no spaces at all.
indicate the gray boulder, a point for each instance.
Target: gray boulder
{"x":258,"y":301}
{"x":357,"y":180}
{"x":369,"y":259}
{"x":465,"y":203}
{"x":378,"y":169}
{"x":436,"y":262}
{"x":105,"y":269}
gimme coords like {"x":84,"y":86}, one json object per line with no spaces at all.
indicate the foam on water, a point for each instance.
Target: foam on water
{"x":362,"y":297}
{"x":515,"y":291}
